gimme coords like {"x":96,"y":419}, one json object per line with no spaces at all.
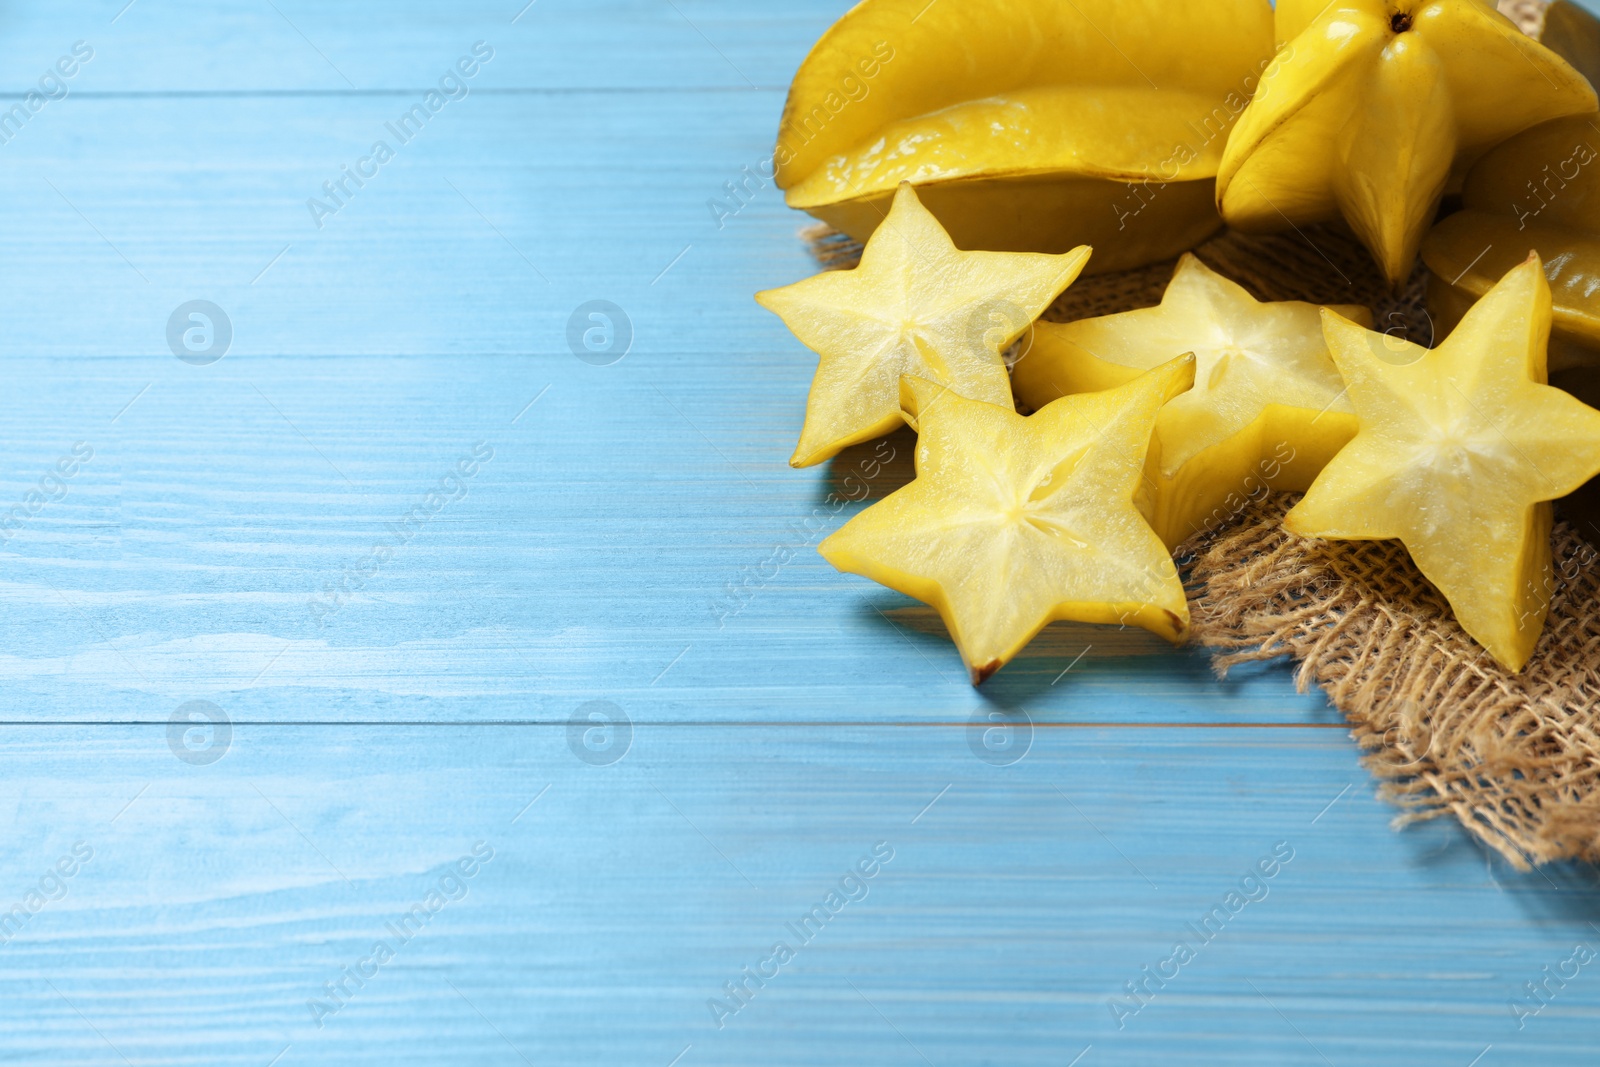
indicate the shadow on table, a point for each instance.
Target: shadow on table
{"x":1567,"y":892}
{"x":1069,"y":663}
{"x":1556,"y":892}
{"x":867,"y":473}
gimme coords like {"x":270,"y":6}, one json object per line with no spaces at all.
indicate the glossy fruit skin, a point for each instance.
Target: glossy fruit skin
{"x":1028,"y":125}
{"x":1540,"y":191}
{"x":1050,"y":215}
{"x":1266,"y":413}
{"x":1014,"y":522}
{"x":1459,"y":450}
{"x":1372,"y":105}
{"x":915,"y":305}
{"x":1574,"y":35}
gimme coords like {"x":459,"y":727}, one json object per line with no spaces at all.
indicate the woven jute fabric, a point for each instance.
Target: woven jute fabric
{"x":1528,"y":14}
{"x":1446,"y":731}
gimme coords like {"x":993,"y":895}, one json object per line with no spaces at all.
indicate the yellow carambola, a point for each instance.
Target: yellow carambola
{"x":916,"y":305}
{"x":1540,"y":191}
{"x":1027,"y":125}
{"x":1459,"y":450}
{"x":1371,"y":105}
{"x":1572,"y":33}
{"x":1267,"y":410}
{"x":1015,"y":522}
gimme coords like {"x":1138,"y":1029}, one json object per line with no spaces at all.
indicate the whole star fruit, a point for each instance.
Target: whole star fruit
{"x":1267,"y":411}
{"x":1372,"y":105}
{"x":1540,"y":191}
{"x":1542,"y":180}
{"x":1459,"y":450}
{"x":1572,"y":33}
{"x":916,"y":305}
{"x":1027,"y":125}
{"x":1013,"y":522}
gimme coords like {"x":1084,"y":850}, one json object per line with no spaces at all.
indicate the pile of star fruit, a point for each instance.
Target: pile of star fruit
{"x":1000,"y":142}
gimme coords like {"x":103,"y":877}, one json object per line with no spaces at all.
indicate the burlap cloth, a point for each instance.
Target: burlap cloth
{"x":1516,"y":758}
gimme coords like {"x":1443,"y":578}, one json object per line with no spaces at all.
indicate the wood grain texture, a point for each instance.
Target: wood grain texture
{"x":1019,"y":900}
{"x":638,"y":513}
{"x":778,"y":731}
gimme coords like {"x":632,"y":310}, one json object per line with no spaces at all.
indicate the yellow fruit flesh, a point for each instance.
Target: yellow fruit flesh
{"x":1281,"y":450}
{"x":1062,"y":105}
{"x":916,"y":305}
{"x":1458,"y":450}
{"x":1015,"y":522}
{"x":1371,"y":106}
{"x":1267,"y":410}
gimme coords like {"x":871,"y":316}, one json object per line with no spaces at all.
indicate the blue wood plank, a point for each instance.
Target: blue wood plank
{"x":1018,"y":903}
{"x":637,"y":534}
{"x":188,"y":46}
{"x":590,"y":559}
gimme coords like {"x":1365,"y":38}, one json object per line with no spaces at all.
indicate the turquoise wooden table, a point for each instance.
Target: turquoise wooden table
{"x":410,"y":660}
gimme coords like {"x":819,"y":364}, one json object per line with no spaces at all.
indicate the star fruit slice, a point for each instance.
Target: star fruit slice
{"x":1459,"y":450}
{"x":1015,"y":522}
{"x":1028,"y":125}
{"x":1267,"y":411}
{"x":1539,"y":191}
{"x":916,"y":305}
{"x":1371,"y":105}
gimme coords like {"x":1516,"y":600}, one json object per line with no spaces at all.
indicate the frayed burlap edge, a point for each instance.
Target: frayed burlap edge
{"x":1446,"y":730}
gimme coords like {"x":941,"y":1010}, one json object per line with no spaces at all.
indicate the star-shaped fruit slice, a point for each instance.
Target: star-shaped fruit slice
{"x":1267,"y":410}
{"x":1458,"y":452}
{"x":916,"y":305}
{"x":1015,"y":522}
{"x":1371,"y":105}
